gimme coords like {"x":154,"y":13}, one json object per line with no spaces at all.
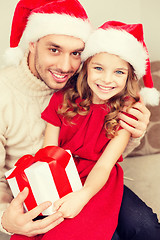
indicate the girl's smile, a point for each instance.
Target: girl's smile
{"x":107,"y":76}
{"x":105,"y":88}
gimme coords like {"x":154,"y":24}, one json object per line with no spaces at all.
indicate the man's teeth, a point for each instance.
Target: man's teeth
{"x":59,"y":76}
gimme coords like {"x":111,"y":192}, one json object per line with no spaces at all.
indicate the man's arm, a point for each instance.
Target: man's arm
{"x":13,"y":219}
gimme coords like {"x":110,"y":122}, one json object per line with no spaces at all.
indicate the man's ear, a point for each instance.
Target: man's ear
{"x":32,"y":46}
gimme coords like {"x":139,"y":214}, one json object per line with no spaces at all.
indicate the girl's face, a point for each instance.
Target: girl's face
{"x":107,"y":76}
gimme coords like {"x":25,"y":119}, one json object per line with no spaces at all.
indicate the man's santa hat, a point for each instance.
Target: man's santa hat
{"x":126,"y":41}
{"x":34,"y":19}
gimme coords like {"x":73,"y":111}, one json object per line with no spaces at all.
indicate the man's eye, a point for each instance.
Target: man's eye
{"x":76,"y":53}
{"x":53,"y":50}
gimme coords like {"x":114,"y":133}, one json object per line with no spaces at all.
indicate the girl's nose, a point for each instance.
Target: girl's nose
{"x":107,"y":77}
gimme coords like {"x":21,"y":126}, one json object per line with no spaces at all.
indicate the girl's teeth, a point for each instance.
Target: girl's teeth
{"x":105,"y":88}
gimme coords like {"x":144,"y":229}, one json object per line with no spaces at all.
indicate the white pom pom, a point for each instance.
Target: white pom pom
{"x":150,"y":96}
{"x":13,"y":56}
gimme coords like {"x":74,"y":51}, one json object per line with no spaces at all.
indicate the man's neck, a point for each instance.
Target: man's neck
{"x":30,"y":61}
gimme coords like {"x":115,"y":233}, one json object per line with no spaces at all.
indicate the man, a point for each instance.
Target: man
{"x":46,"y":43}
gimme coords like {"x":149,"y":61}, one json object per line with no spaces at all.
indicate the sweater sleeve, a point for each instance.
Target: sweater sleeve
{"x":132,"y":144}
{"x":50,"y":114}
{"x":5,"y":193}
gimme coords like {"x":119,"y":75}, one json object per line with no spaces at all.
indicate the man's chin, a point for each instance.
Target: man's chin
{"x":56,"y":86}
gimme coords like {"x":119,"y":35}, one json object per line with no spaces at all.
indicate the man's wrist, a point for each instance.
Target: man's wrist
{"x":137,"y":139}
{"x":2,"y":229}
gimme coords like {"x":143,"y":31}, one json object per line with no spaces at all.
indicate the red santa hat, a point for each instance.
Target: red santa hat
{"x":34,"y":19}
{"x":126,"y":41}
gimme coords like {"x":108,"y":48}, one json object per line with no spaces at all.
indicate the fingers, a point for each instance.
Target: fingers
{"x":12,"y":219}
{"x":36,"y":211}
{"x":46,"y":224}
{"x":138,"y":108}
{"x":141,"y":107}
{"x":16,"y":221}
{"x":20,"y":197}
{"x":62,"y":206}
{"x":31,"y":228}
{"x":138,"y":126}
{"x":136,"y":133}
{"x":135,"y":127}
{"x":129,"y":120}
{"x":41,"y":226}
{"x":48,"y":227}
{"x":57,"y":204}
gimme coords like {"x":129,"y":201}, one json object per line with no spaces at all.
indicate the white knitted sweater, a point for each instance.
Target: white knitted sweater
{"x":22,"y":99}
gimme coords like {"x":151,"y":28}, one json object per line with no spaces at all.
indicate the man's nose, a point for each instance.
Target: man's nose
{"x":64,"y":63}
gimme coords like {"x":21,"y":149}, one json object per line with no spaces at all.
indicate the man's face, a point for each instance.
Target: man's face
{"x":55,"y":58}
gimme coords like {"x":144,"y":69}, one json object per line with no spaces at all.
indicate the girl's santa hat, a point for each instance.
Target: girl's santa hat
{"x":34,"y":19}
{"x":126,"y":41}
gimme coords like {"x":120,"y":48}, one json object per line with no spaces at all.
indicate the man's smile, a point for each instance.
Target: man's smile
{"x":59,"y":77}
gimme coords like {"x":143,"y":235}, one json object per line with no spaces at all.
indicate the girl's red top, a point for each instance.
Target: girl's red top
{"x":86,"y":140}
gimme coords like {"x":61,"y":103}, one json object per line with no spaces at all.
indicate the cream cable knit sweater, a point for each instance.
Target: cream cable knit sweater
{"x":22,"y":99}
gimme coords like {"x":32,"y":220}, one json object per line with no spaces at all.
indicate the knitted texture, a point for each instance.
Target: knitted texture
{"x":23,"y":97}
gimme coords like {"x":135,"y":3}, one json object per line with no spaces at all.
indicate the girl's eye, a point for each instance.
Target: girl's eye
{"x":98,"y":68}
{"x":119,"y":72}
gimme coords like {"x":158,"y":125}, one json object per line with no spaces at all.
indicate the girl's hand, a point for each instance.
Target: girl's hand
{"x":71,"y":204}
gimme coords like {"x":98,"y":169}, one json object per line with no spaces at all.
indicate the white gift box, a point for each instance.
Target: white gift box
{"x":42,"y":183}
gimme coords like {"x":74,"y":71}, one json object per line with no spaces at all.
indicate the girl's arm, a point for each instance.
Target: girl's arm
{"x":71,"y":204}
{"x":51,"y":135}
{"x":101,"y":171}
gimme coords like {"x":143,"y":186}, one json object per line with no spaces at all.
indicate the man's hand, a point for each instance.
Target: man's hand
{"x":14,"y":219}
{"x":136,"y":127}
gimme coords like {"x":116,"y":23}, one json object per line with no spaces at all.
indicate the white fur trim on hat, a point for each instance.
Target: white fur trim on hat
{"x":13,"y":56}
{"x":43,"y":24}
{"x":150,"y":96}
{"x":118,"y":42}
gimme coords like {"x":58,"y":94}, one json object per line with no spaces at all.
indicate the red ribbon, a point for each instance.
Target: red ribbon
{"x":57,"y":159}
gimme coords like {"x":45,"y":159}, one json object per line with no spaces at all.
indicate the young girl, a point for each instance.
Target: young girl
{"x":83,"y":118}
{"x":86,"y":122}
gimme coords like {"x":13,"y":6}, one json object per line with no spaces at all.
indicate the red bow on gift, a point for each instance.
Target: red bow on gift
{"x":57,"y":159}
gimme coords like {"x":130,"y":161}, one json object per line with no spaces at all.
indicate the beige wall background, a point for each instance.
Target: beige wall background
{"x":137,"y":11}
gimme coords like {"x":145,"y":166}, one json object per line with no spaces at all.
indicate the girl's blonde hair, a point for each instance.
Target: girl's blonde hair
{"x":80,"y":88}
